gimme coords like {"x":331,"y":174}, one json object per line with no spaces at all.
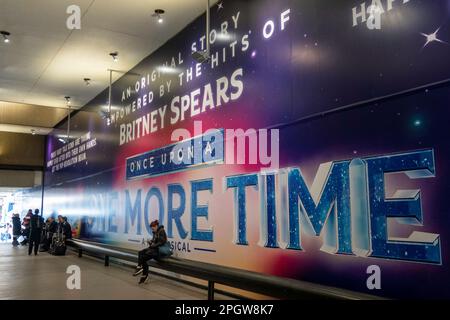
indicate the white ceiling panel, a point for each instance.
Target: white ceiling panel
{"x":13,"y":88}
{"x":45,"y":61}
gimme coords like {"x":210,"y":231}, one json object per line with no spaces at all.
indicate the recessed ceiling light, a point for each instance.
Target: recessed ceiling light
{"x":115,"y":56}
{"x":5,"y":35}
{"x":159,"y":14}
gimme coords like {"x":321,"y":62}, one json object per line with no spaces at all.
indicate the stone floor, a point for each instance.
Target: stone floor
{"x":44,"y":277}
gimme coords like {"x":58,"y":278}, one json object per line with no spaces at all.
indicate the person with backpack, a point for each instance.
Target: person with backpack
{"x":159,"y":247}
{"x":36,"y":225}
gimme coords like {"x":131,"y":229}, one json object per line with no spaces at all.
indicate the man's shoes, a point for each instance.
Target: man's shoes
{"x":138,"y":271}
{"x":143,"y":279}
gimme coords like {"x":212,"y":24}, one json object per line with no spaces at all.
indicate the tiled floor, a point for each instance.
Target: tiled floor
{"x":44,"y":277}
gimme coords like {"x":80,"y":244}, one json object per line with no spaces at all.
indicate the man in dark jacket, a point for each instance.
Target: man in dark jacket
{"x":67,"y":229}
{"x":17,"y":229}
{"x":152,"y":252}
{"x":64,"y":228}
{"x":36,"y":225}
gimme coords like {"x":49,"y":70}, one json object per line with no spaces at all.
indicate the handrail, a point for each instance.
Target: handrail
{"x":272,"y":286}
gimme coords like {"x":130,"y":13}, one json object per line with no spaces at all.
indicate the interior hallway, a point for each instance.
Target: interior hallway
{"x":44,"y":277}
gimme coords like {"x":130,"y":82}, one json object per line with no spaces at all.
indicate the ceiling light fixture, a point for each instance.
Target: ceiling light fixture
{"x":33,"y":132}
{"x":5,"y":35}
{"x":115,"y":56}
{"x":204,"y":56}
{"x":87,"y":81}
{"x":66,"y":139}
{"x":159,"y":14}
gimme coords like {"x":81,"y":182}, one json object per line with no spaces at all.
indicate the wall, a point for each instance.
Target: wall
{"x":361,"y":118}
{"x":20,"y":178}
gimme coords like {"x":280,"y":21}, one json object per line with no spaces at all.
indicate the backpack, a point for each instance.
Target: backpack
{"x":165,"y":250}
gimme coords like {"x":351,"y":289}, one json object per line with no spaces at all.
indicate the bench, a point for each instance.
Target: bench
{"x":273,"y":286}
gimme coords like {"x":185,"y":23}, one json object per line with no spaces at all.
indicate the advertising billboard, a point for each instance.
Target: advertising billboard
{"x":311,"y":145}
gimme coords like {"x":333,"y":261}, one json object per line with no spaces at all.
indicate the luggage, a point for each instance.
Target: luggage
{"x":58,"y":244}
{"x":165,"y":250}
{"x":59,"y":249}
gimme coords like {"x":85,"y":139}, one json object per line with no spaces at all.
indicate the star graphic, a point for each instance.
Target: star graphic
{"x":432,"y":37}
{"x":219,"y":6}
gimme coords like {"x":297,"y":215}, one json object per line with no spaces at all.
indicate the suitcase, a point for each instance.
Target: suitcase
{"x":59,"y":249}
{"x":59,"y":245}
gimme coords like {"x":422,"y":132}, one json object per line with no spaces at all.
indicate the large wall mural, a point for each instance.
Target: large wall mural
{"x":312,"y":145}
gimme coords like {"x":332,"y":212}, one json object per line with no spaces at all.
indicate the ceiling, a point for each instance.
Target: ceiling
{"x":22,"y":118}
{"x":45,"y":61}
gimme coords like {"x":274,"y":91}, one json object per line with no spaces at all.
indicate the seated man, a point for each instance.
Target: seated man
{"x":158,"y":247}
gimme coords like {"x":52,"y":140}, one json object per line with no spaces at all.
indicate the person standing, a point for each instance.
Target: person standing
{"x":67,"y":228}
{"x":16,"y":229}
{"x":26,"y":227}
{"x":36,"y":225}
{"x":64,"y":227}
{"x":51,"y":227}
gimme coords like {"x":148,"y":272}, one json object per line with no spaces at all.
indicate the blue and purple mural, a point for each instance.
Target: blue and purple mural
{"x":352,"y":97}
